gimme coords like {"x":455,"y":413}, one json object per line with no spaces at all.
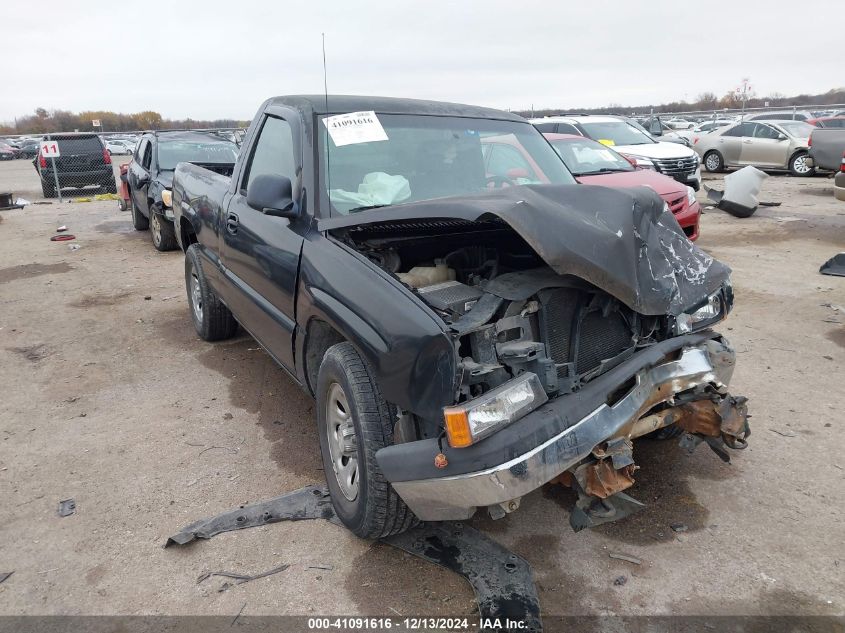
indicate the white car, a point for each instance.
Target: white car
{"x":704,"y":127}
{"x":673,"y":159}
{"x":117,"y":147}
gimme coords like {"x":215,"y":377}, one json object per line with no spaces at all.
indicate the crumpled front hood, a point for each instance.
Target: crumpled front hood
{"x":623,"y":241}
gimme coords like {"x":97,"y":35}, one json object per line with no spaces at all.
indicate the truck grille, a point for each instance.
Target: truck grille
{"x":676,"y":167}
{"x":593,"y":338}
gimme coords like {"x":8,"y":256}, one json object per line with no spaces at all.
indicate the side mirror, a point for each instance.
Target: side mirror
{"x":517,"y":172}
{"x":781,"y":137}
{"x":272,"y":195}
{"x":633,"y":161}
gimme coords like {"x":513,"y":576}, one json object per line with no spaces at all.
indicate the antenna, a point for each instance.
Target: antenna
{"x":328,"y":140}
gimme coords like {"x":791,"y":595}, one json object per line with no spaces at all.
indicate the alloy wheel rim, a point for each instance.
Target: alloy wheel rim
{"x":343,"y":444}
{"x":196,"y":297}
{"x":156,"y":228}
{"x":800,"y":165}
{"x":712,"y":162}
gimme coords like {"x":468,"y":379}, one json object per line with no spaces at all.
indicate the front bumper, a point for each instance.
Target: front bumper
{"x":688,"y":219}
{"x":457,"y":497}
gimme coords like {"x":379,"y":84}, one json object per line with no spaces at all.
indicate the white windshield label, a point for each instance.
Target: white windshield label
{"x":355,"y":127}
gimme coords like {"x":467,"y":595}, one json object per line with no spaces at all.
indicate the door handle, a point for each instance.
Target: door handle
{"x":232,"y":223}
{"x":747,"y":142}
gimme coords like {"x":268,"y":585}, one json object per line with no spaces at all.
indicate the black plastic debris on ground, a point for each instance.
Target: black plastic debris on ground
{"x":834,"y":266}
{"x":67,"y":507}
{"x":4,"y":575}
{"x":311,"y":502}
{"x":502,"y":581}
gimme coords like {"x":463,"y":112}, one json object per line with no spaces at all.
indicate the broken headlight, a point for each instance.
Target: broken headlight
{"x":166,"y":198}
{"x":714,"y":309}
{"x":475,"y":419}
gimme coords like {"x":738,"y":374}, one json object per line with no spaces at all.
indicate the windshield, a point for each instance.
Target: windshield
{"x":612,"y":133}
{"x":798,"y":129}
{"x":424,"y":157}
{"x":584,"y":157}
{"x":171,"y":153}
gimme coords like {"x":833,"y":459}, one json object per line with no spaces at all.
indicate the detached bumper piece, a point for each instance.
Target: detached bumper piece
{"x":501,"y":580}
{"x":720,"y":422}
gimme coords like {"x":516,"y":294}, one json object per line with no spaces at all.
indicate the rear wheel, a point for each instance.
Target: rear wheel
{"x":162,"y":232}
{"x":354,"y":422}
{"x":140,"y":222}
{"x":798,"y":165}
{"x":49,"y":191}
{"x":212,"y":320}
{"x":713,"y":162}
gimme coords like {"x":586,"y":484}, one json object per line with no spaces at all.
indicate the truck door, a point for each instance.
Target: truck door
{"x":139,"y":176}
{"x":260,"y":253}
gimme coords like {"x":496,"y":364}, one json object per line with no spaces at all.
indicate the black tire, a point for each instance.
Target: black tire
{"x":213,"y":321}
{"x":49,"y":191}
{"x":797,"y":166}
{"x":162,"y":232}
{"x":139,"y":220}
{"x":713,"y":161}
{"x":376,"y":510}
{"x":121,"y":204}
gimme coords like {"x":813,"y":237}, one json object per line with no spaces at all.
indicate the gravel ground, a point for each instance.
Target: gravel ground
{"x":111,"y":399}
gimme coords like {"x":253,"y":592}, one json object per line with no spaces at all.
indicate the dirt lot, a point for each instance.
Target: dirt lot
{"x":110,"y":398}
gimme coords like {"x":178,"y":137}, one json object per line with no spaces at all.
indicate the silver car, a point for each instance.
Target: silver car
{"x":769,"y":145}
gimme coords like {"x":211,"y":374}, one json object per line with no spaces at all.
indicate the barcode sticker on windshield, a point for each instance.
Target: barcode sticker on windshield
{"x":355,"y":127}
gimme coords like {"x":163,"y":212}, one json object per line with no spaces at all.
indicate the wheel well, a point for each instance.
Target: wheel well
{"x":319,"y":337}
{"x":186,"y":232}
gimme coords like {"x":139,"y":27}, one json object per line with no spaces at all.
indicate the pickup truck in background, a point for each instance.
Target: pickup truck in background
{"x":467,"y":337}
{"x":827,"y":151}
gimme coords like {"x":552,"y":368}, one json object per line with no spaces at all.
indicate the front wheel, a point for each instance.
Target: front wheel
{"x":213,"y":321}
{"x":798,"y":165}
{"x":713,"y":162}
{"x":163,"y":232}
{"x":354,"y":422}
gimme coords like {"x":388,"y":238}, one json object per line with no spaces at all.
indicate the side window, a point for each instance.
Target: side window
{"x":840,"y":123}
{"x":736,"y":130}
{"x":273,"y":153}
{"x":139,"y":151}
{"x":567,"y":128}
{"x":147,"y":160}
{"x":764,"y":131}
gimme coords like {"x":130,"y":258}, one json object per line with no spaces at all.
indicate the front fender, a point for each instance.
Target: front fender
{"x":405,"y":344}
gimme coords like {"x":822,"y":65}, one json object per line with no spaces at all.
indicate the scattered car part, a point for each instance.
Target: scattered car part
{"x":834,"y":266}
{"x":241,"y":578}
{"x":501,"y":580}
{"x":67,"y":507}
{"x":4,"y":576}
{"x":311,"y":502}
{"x":740,"y":195}
{"x":62,"y":237}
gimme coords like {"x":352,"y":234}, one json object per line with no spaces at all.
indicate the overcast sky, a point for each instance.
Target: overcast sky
{"x":221,"y":58}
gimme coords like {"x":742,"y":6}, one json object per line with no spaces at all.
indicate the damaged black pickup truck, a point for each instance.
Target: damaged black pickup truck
{"x":472,"y":323}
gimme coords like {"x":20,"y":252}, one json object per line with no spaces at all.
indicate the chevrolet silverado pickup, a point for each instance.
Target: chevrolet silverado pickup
{"x":469,"y":334}
{"x":827,"y":151}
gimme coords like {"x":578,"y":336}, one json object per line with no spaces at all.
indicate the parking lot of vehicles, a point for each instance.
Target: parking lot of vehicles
{"x":672,"y":159}
{"x":595,"y":164}
{"x":150,"y":176}
{"x":768,"y":145}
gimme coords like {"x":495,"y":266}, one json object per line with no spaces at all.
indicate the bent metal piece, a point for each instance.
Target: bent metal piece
{"x":501,"y":580}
